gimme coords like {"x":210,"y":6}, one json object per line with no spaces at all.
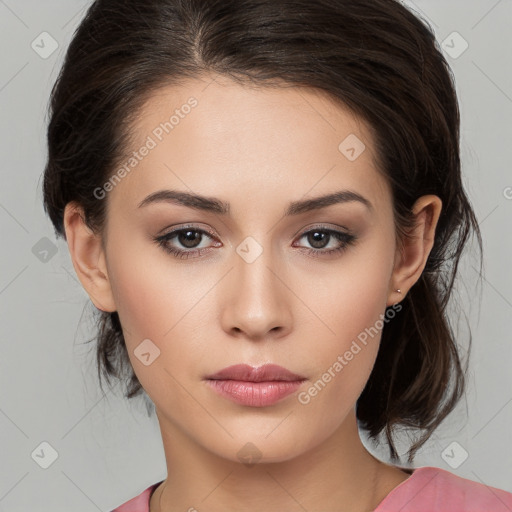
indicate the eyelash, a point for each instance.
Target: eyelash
{"x":163,"y":241}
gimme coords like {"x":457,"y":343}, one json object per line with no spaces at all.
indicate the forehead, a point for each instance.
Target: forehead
{"x":241,"y":140}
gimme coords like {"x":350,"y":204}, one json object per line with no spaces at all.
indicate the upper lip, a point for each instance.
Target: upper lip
{"x":265,"y":373}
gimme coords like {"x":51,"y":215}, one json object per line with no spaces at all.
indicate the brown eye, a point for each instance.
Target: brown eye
{"x":185,"y":242}
{"x":319,"y":239}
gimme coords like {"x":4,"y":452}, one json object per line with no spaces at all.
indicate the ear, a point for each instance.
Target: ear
{"x":411,"y":257}
{"x":88,"y":257}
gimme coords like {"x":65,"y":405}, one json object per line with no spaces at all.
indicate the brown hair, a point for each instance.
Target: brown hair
{"x":374,"y":56}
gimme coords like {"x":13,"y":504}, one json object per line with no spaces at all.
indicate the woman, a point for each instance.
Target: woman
{"x":263,"y":199}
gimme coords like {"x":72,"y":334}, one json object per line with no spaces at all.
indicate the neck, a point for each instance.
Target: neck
{"x":338,"y":474}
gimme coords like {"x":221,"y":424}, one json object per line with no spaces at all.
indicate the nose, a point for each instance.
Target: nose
{"x":255,"y":299}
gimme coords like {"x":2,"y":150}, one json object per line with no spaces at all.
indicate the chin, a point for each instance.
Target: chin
{"x":259,"y":449}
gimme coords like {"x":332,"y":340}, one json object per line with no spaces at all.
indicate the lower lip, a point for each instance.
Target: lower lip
{"x":255,"y":394}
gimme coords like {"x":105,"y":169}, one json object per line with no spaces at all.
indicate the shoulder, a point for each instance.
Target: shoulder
{"x":139,"y":503}
{"x":437,"y":490}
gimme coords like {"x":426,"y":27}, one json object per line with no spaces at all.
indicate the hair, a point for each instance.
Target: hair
{"x":373,"y":56}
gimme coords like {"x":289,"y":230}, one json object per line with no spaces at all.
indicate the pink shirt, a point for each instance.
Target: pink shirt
{"x":428,"y":489}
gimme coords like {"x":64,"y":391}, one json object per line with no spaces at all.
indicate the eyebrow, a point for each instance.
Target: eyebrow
{"x":214,"y":205}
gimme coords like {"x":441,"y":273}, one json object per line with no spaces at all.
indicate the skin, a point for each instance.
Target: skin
{"x":258,"y":149}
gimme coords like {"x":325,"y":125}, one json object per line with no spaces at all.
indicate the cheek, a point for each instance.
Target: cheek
{"x":150,"y":293}
{"x":351,"y":294}
{"x":352,"y":305}
{"x":140,"y":302}
{"x":159,"y":302}
{"x":150,"y":310}
{"x":343,"y":366}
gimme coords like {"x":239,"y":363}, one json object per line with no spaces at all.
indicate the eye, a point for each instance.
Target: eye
{"x":321,"y":237}
{"x":189,"y":238}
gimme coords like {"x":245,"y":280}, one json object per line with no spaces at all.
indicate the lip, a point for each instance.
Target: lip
{"x":264,"y":373}
{"x":255,"y":387}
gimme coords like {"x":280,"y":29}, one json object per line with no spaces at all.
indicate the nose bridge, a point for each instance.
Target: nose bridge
{"x":258,"y":299}
{"x":252,"y":268}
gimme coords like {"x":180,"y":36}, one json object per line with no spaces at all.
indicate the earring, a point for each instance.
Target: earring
{"x":399,"y":291}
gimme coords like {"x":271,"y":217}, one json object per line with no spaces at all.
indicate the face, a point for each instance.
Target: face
{"x":267,"y":276}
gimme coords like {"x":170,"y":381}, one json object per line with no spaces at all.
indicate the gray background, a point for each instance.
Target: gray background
{"x":108,"y":449}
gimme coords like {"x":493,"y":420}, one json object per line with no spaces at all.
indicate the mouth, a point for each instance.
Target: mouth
{"x":255,"y":387}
